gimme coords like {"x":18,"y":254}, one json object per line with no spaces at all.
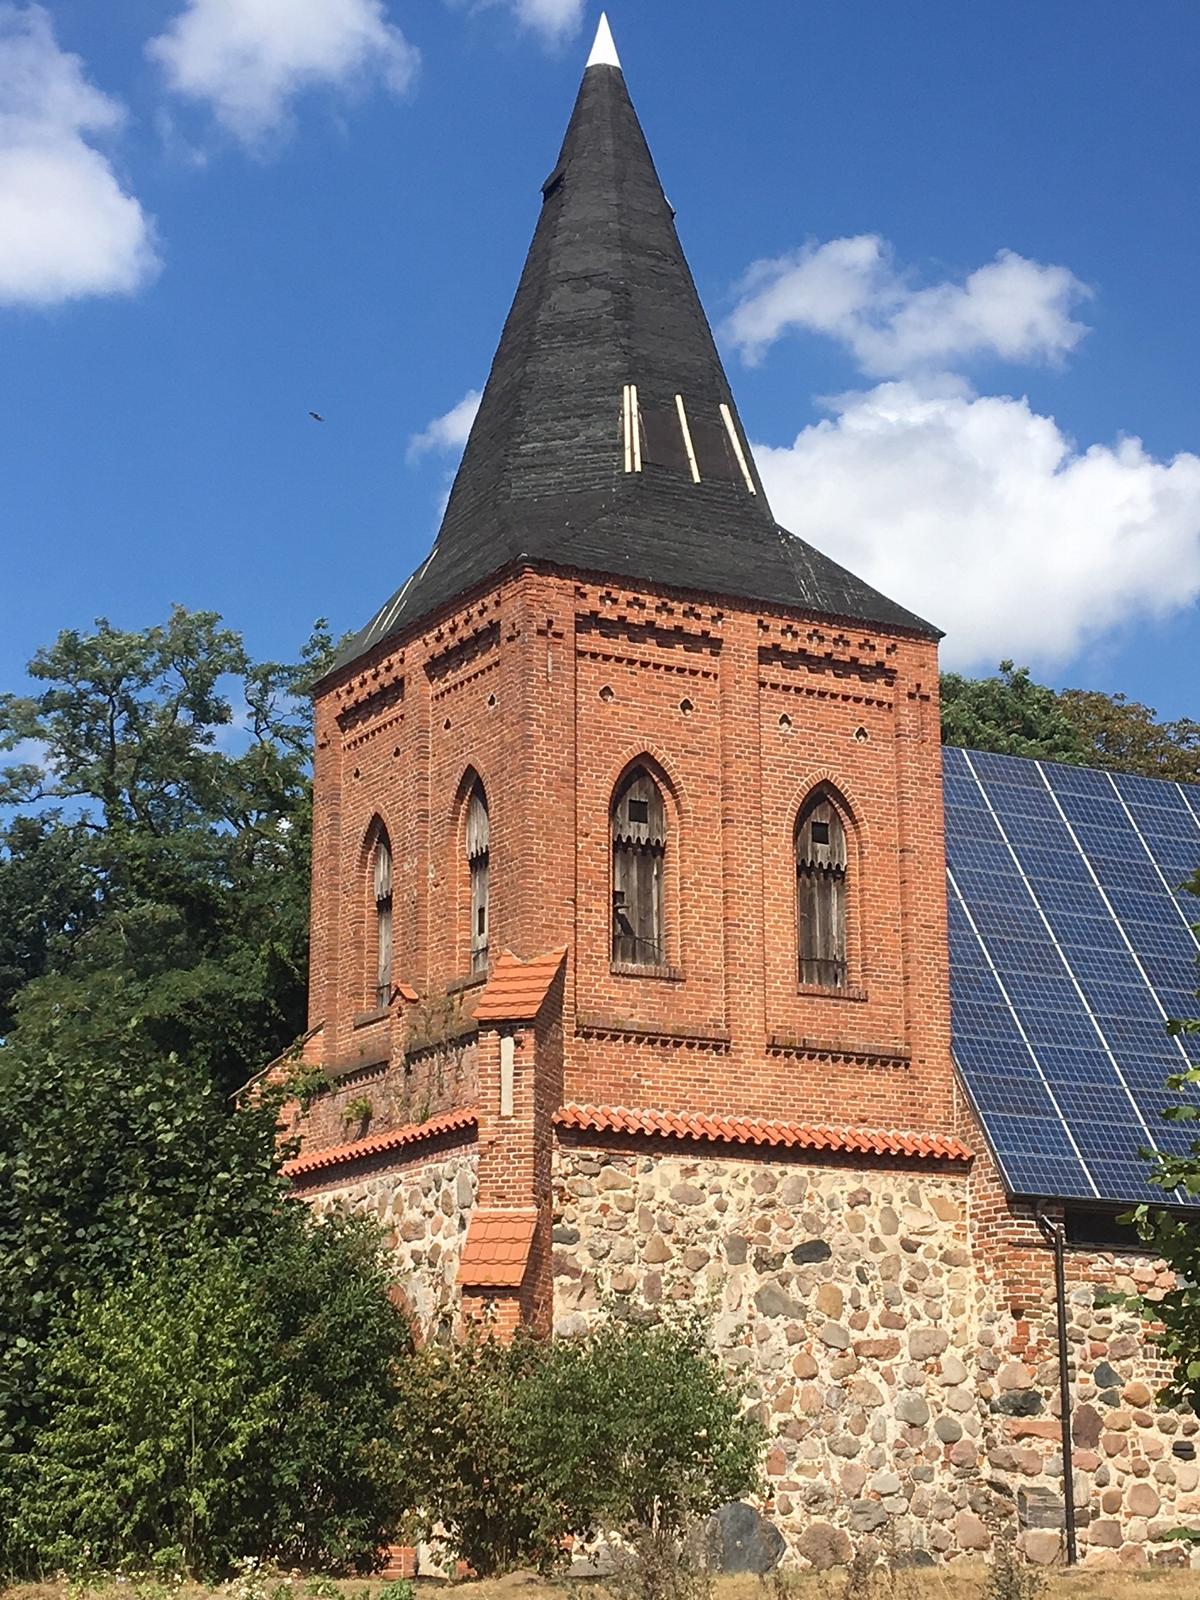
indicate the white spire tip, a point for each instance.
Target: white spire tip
{"x":604,"y":51}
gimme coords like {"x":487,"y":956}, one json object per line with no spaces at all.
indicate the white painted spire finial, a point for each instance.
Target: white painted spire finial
{"x":604,"y":51}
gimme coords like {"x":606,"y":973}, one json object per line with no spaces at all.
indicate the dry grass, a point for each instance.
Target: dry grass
{"x":960,"y":1581}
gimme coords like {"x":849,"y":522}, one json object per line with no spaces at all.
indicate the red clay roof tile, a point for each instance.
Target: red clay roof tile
{"x":517,"y":990}
{"x":497,"y":1247}
{"x":380,"y":1143}
{"x":749,"y":1130}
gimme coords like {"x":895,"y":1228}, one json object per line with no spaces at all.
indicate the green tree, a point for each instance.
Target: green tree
{"x":157,"y":862}
{"x":1125,"y":735}
{"x":1009,"y":714}
{"x":228,"y":1403}
{"x":1175,"y":1235}
{"x":1012,"y":715}
{"x":110,"y":1157}
{"x":49,"y":898}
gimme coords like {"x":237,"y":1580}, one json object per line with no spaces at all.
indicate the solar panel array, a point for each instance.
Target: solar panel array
{"x":1070,"y":946}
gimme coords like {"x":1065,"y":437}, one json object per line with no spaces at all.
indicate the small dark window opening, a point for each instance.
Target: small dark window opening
{"x":1087,"y":1229}
{"x":821,"y":894}
{"x":477,"y":865}
{"x":639,"y":839}
{"x":662,"y":439}
{"x":382,"y":876}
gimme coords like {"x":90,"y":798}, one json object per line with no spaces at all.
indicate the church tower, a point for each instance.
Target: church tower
{"x":628,"y":854}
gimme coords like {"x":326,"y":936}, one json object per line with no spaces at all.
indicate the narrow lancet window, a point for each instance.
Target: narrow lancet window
{"x":477,"y":864}
{"x":382,"y":884}
{"x":639,"y":839}
{"x":821,"y":894}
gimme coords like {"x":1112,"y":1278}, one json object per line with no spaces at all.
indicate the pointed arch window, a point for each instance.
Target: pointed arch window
{"x":821,"y":893}
{"x":639,"y":841}
{"x":381,"y":875}
{"x":477,"y":866}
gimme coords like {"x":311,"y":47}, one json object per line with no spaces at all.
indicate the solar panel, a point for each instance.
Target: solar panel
{"x":1070,"y":946}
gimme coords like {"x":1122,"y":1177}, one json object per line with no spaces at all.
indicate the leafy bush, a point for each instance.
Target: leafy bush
{"x":111,"y":1158}
{"x":466,"y":1460}
{"x":511,"y":1448}
{"x":223,"y":1406}
{"x":640,"y":1427}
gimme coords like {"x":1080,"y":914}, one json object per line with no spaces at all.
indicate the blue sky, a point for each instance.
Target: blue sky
{"x":969,"y":348}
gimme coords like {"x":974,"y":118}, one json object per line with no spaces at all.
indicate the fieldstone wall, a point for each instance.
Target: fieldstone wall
{"x":426,"y":1207}
{"x":899,"y":1389}
{"x":845,"y":1299}
{"x":1137,"y":1465}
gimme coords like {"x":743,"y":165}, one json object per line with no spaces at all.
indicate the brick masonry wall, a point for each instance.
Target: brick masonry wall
{"x":897,"y":1326}
{"x":422,"y":1080}
{"x":548,"y":687}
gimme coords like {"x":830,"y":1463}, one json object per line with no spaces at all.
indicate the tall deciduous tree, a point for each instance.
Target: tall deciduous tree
{"x":157,"y":861}
{"x":1012,"y":715}
{"x":1125,"y":735}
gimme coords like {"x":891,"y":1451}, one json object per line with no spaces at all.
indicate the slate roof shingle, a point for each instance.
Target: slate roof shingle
{"x":606,"y":299}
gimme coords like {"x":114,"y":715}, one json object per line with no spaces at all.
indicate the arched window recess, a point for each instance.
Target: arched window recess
{"x":381,"y":883}
{"x":821,"y":867}
{"x":639,"y":841}
{"x":477,"y":867}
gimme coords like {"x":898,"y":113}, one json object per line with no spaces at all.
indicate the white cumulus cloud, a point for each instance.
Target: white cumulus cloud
{"x":553,"y":21}
{"x":852,"y":290}
{"x":249,"y":59}
{"x":67,"y":227}
{"x":982,"y":516}
{"x":448,"y":432}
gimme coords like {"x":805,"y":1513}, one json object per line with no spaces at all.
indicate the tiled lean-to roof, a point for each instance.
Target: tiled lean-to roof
{"x":606,"y":301}
{"x":692,"y":1127}
{"x":380,"y":1144}
{"x":517,"y":990}
{"x":497,"y":1248}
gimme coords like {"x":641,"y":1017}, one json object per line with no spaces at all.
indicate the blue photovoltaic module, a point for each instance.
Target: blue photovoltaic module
{"x":1070,"y":946}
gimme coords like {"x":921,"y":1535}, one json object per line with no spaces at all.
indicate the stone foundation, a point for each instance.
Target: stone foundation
{"x":426,"y":1208}
{"x":899,"y":1389}
{"x":1137,"y":1464}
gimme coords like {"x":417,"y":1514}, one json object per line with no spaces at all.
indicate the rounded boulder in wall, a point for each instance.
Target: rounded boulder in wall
{"x":741,"y":1539}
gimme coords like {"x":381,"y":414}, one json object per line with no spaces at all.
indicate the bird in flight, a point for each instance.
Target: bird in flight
{"x":316,"y":416}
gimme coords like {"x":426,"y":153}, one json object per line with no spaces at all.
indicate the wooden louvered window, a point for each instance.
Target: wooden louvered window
{"x":477,"y":864}
{"x":639,"y":840}
{"x":821,"y":894}
{"x":382,"y":885}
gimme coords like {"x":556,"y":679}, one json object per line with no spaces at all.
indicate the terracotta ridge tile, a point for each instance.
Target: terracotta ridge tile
{"x":517,"y":990}
{"x":762,"y":1131}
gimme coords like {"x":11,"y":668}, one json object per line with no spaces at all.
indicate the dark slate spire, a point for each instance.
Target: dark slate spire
{"x":606,"y":301}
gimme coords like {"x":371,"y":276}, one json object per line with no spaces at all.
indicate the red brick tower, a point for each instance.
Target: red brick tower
{"x":628,"y":809}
